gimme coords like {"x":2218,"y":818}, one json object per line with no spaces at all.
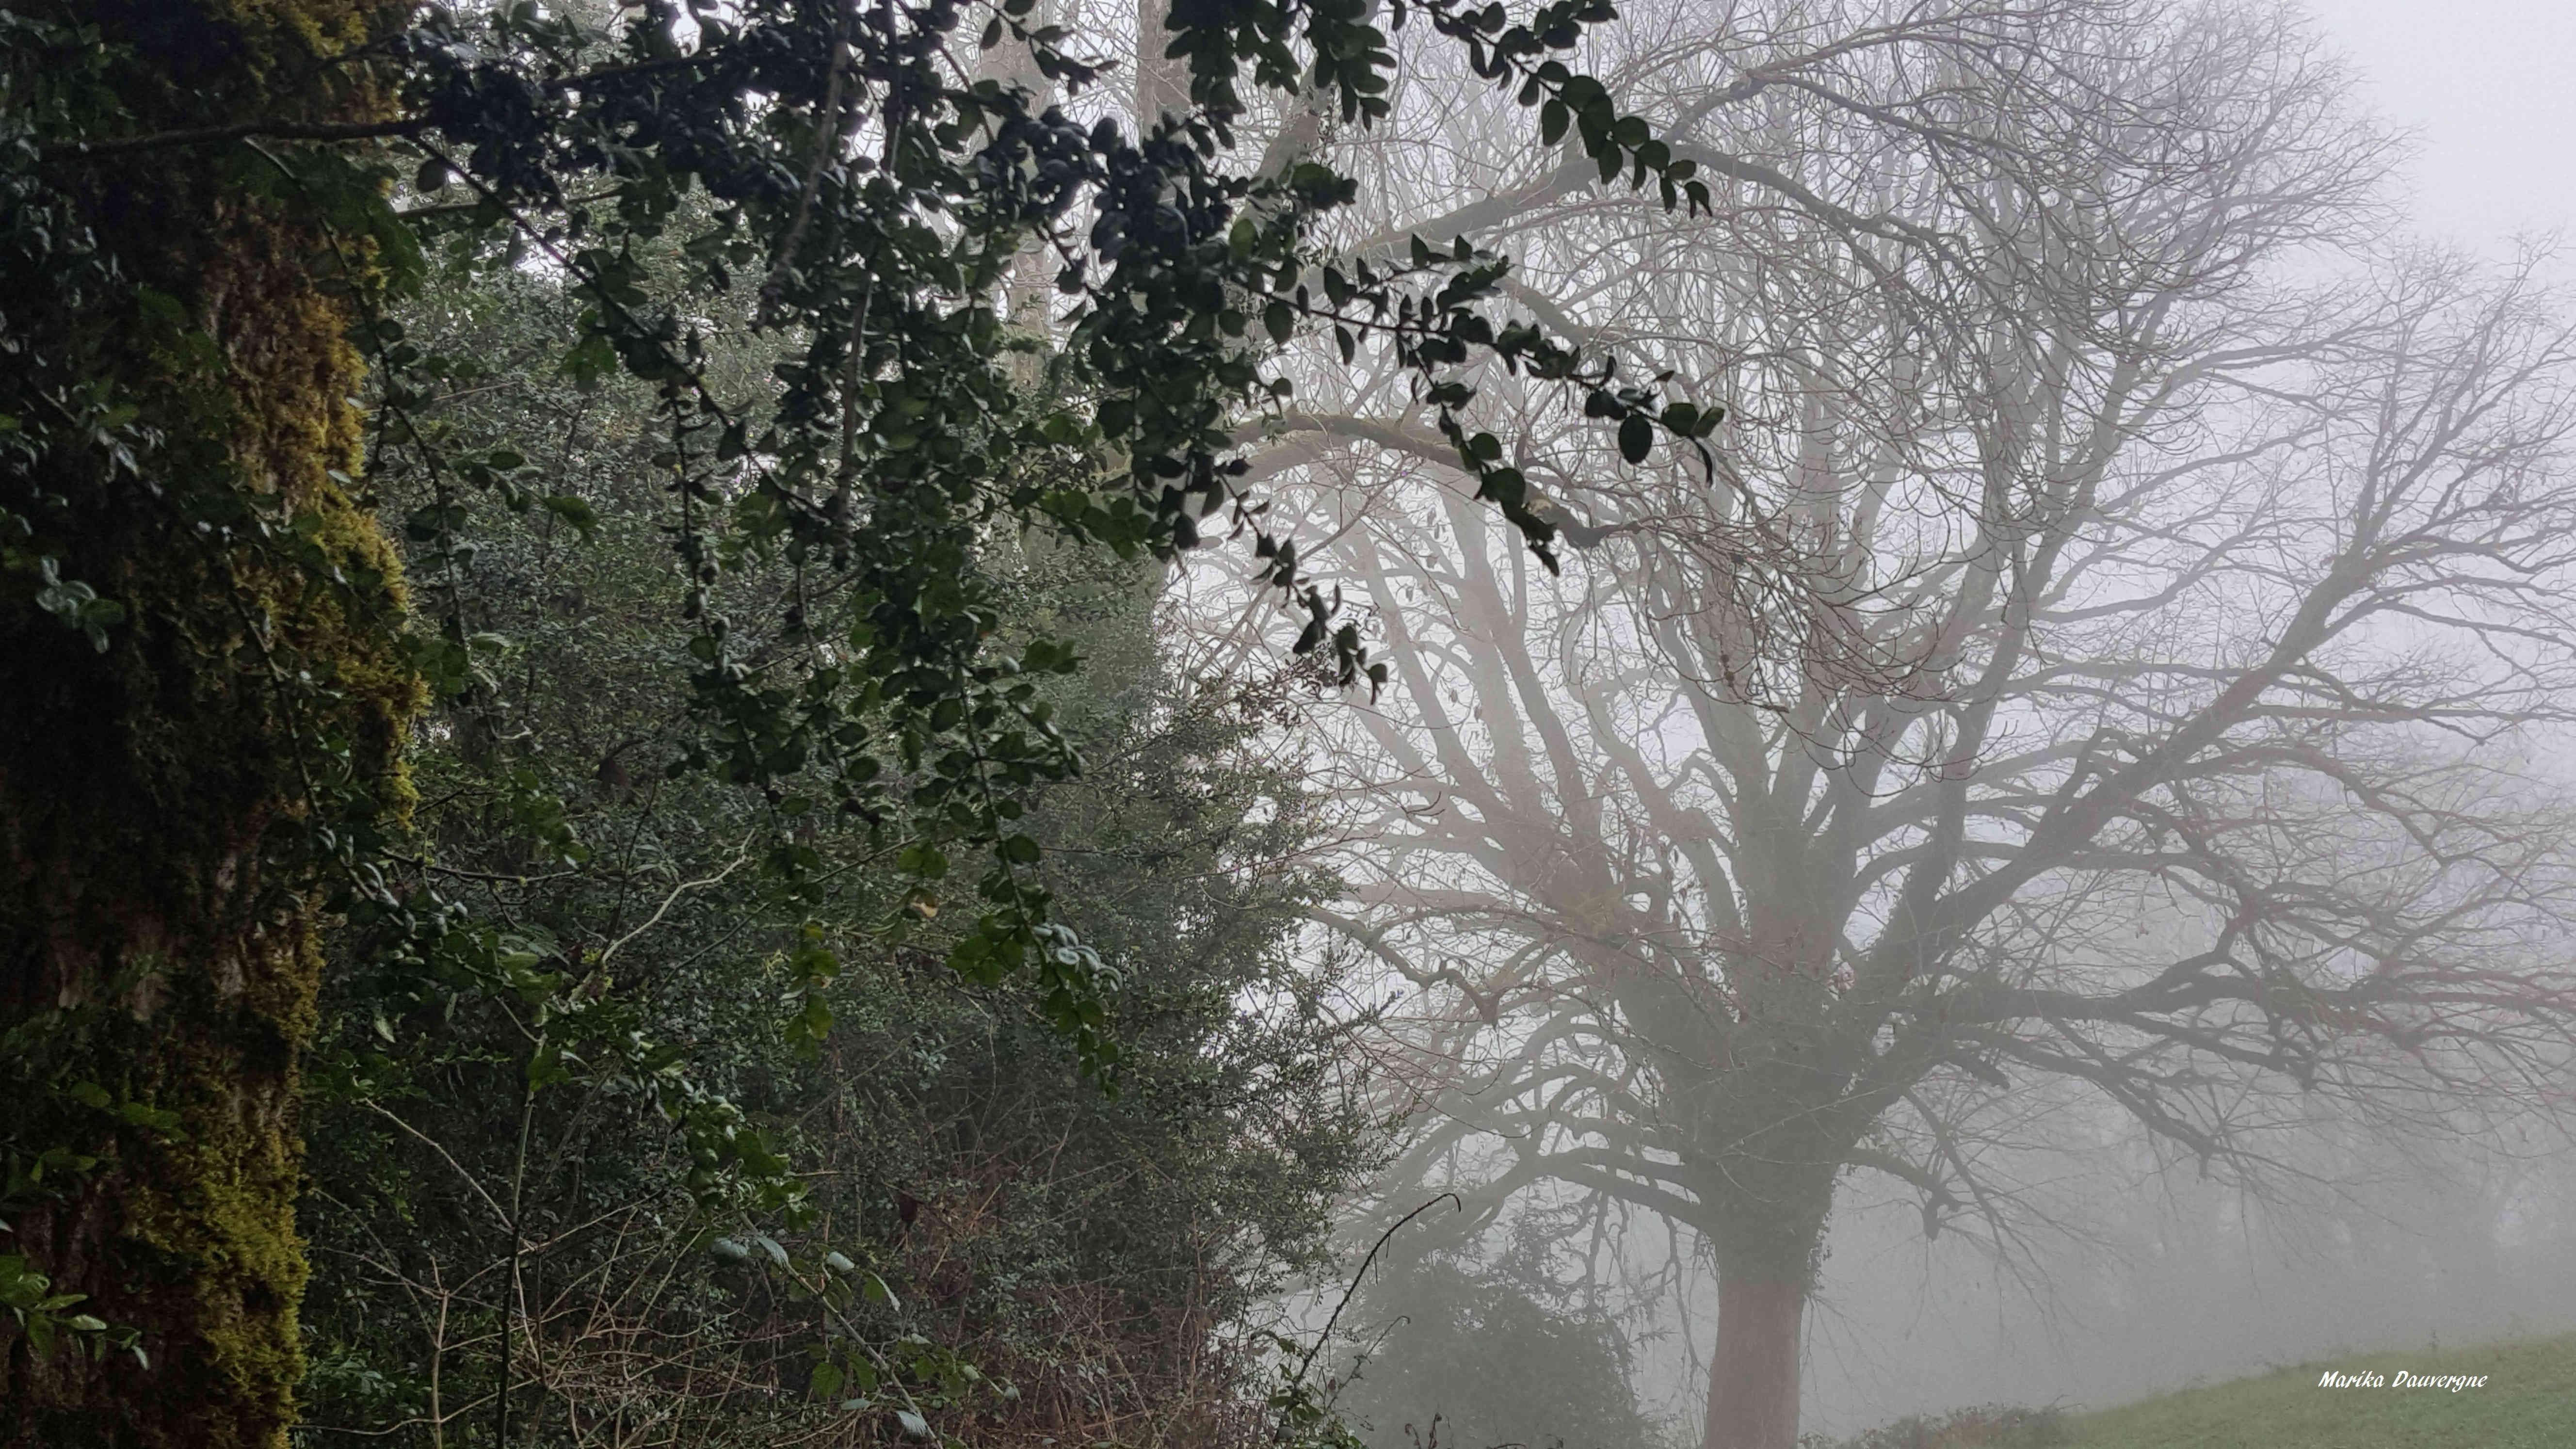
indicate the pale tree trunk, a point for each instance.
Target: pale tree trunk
{"x":1765,"y":1243}
{"x":1753,"y":1374}
{"x":1031,"y":288}
{"x":1162,"y":83}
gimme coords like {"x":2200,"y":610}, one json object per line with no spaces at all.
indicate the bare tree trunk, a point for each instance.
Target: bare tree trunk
{"x":1753,"y":1374}
{"x":160,"y":871}
{"x":1031,"y":288}
{"x":1162,"y":83}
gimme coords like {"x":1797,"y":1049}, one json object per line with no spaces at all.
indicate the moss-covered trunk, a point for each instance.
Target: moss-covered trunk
{"x":160,"y":779}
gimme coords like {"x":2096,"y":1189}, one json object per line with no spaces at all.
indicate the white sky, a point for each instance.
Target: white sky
{"x":2485,"y":85}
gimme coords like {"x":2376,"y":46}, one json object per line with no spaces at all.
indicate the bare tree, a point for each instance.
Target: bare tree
{"x":2093,"y":653}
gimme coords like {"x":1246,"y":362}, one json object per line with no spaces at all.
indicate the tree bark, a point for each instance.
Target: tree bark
{"x":1162,"y":82}
{"x":161,"y":787}
{"x":1753,"y":1374}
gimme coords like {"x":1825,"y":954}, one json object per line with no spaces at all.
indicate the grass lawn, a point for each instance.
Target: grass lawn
{"x":2529,"y":1402}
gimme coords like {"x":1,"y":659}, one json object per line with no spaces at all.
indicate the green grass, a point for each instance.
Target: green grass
{"x":2529,"y":1402}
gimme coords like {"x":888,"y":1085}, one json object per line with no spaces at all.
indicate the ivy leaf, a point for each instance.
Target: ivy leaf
{"x":575,"y":511}
{"x":1636,"y":438}
{"x":589,"y":362}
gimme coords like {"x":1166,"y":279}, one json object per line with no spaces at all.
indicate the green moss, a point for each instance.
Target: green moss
{"x":223,"y":1207}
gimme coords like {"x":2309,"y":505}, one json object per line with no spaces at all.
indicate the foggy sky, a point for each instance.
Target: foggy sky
{"x":2483,"y":84}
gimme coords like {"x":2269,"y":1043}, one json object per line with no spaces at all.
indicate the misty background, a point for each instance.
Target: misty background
{"x":2411,"y":1244}
{"x":2132,"y":1270}
{"x":2481,"y":84}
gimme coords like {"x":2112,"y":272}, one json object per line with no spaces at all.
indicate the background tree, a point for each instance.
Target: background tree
{"x":2123,"y":693}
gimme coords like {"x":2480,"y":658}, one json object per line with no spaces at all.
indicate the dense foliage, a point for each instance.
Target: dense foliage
{"x":885,"y":203}
{"x":1002,"y":1225}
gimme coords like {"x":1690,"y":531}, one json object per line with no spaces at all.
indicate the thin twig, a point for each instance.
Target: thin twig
{"x":673,"y":899}
{"x":242,"y":131}
{"x":1352,"y":1289}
